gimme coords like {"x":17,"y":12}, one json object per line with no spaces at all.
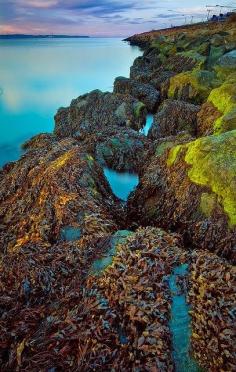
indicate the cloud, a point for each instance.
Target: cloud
{"x":94,"y":17}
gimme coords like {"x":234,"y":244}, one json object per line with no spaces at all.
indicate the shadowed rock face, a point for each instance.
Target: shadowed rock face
{"x":191,"y":189}
{"x":174,"y":117}
{"x":97,"y":110}
{"x":146,"y":93}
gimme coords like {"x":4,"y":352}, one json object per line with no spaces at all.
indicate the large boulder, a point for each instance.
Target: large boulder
{"x":96,"y":110}
{"x":223,"y":99}
{"x":226,"y":64}
{"x":145,"y":93}
{"x":191,"y":189}
{"x":122,"y":149}
{"x":174,"y":117}
{"x":53,"y":192}
{"x":194,"y":86}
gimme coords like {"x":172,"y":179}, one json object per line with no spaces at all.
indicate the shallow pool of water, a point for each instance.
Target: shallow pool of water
{"x":180,"y":325}
{"x":147,"y":126}
{"x":122,"y":183}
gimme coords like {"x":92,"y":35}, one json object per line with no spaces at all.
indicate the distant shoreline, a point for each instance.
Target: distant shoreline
{"x":23,"y":36}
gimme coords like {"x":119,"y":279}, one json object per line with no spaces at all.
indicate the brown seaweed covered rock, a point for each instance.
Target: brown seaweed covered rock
{"x":145,"y":93}
{"x":191,"y":188}
{"x":53,"y":191}
{"x":57,"y":315}
{"x":212,"y":297}
{"x":206,"y":118}
{"x":97,"y":110}
{"x":174,"y":117}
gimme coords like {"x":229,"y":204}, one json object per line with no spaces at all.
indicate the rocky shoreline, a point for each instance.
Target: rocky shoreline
{"x":59,"y":218}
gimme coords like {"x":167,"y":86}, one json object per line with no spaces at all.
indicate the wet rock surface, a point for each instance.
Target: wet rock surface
{"x":85,"y":277}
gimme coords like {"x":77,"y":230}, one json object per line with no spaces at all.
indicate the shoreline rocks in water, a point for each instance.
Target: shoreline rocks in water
{"x":59,"y":217}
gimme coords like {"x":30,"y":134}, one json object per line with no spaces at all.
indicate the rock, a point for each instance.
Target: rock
{"x":161,"y":82}
{"x":96,"y":110}
{"x":191,"y":189}
{"x":174,"y":117}
{"x":214,"y":54}
{"x":226,"y":64}
{"x":194,"y":86}
{"x":223,"y":99}
{"x":206,"y":118}
{"x":145,"y":93}
{"x":39,"y":141}
{"x":212,"y":299}
{"x":122,"y":149}
{"x":44,"y":191}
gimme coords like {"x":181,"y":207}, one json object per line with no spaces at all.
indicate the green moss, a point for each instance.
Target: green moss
{"x":208,"y":203}
{"x":197,"y":57}
{"x":215,"y":53}
{"x":226,"y":65}
{"x":213,"y":164}
{"x":224,"y":99}
{"x":90,"y":158}
{"x":138,"y":107}
{"x":200,"y":83}
{"x":173,"y":154}
{"x":160,"y":149}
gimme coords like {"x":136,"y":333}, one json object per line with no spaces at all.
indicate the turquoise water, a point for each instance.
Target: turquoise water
{"x":180,"y":325}
{"x":37,"y":76}
{"x":147,"y":126}
{"x":122,"y":183}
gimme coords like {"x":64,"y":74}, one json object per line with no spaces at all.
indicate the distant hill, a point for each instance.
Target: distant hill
{"x":23,"y":36}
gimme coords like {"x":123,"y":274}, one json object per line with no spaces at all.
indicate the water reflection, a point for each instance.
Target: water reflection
{"x":39,"y":75}
{"x":122,"y":183}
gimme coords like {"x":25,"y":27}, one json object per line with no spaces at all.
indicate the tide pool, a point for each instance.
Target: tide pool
{"x":37,"y":76}
{"x":122,"y":183}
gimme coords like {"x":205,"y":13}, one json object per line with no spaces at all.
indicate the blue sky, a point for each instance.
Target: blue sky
{"x":98,"y":17}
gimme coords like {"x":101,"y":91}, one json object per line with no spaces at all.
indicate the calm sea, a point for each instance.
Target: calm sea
{"x":37,"y":76}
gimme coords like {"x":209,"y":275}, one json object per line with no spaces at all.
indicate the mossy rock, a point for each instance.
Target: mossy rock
{"x":224,"y":99}
{"x":226,"y":65}
{"x":139,"y":107}
{"x":192,"y":86}
{"x":212,"y":164}
{"x":215,"y":53}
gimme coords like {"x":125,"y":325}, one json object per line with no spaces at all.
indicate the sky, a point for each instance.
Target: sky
{"x":99,"y":17}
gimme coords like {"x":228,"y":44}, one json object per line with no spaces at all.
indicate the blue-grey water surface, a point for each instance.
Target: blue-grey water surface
{"x":37,"y":76}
